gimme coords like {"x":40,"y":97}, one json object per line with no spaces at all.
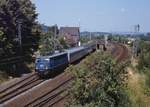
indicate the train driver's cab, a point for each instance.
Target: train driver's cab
{"x":42,"y":64}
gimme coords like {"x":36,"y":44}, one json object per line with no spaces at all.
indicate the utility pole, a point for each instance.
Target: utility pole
{"x":90,"y":36}
{"x":19,"y":40}
{"x":106,"y":39}
{"x":137,"y":40}
{"x":137,"y":28}
{"x":55,"y":32}
{"x":19,"y":35}
{"x":54,"y":37}
{"x":79,"y":42}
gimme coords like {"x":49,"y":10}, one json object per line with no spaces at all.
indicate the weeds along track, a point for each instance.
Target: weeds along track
{"x":46,"y":93}
{"x":14,"y":88}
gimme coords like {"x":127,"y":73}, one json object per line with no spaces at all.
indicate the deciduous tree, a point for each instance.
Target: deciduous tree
{"x":12,"y":12}
{"x":48,"y":44}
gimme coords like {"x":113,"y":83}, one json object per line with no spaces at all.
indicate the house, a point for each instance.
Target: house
{"x":70,"y":34}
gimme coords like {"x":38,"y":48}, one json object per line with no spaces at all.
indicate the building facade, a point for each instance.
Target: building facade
{"x":70,"y":34}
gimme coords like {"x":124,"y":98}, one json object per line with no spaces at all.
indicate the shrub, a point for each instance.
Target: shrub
{"x":98,"y":82}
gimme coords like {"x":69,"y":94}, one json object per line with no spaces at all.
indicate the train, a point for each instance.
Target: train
{"x":45,"y":65}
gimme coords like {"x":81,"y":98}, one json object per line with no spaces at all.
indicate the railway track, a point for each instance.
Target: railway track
{"x":123,"y":53}
{"x":41,"y":95}
{"x":52,"y":97}
{"x":14,"y":88}
{"x":32,"y":92}
{"x":119,"y":52}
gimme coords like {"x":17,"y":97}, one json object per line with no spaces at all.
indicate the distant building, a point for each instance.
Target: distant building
{"x":70,"y":34}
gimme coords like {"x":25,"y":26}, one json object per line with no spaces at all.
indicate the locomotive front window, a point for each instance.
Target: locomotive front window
{"x":37,"y":61}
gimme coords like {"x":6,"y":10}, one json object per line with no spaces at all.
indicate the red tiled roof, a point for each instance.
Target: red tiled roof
{"x":73,"y":31}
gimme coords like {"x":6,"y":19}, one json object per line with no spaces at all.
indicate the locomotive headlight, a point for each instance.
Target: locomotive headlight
{"x":36,"y":67}
{"x":46,"y":68}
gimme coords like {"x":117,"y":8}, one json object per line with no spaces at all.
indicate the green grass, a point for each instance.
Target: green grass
{"x":3,"y":77}
{"x":138,"y":88}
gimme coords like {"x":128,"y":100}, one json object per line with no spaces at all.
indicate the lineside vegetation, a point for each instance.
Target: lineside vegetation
{"x":99,"y":82}
{"x":138,"y":88}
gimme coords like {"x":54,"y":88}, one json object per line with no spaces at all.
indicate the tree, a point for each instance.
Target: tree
{"x":2,"y":40}
{"x":48,"y":44}
{"x":11,"y":12}
{"x":63,"y":42}
{"x":110,"y":37}
{"x":84,"y":39}
{"x":144,"y":55}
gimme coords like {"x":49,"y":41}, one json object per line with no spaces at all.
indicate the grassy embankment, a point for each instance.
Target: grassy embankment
{"x":3,"y":77}
{"x":138,"y":87}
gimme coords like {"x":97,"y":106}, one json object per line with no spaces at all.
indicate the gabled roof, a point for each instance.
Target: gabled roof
{"x":73,"y":31}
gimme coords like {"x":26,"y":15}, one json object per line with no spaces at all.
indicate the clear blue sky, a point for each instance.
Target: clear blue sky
{"x":95,"y":15}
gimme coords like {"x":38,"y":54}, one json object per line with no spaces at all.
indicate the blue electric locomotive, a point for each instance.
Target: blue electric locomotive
{"x":50,"y":64}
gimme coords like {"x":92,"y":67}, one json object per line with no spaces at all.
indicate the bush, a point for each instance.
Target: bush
{"x":63,"y":43}
{"x":144,"y":63}
{"x":98,"y":82}
{"x":3,"y":76}
{"x":144,"y":55}
{"x":48,"y":44}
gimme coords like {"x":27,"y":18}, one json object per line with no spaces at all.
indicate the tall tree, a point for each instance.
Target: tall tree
{"x":49,"y":43}
{"x":11,"y":13}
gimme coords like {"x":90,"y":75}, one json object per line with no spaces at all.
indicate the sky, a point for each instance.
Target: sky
{"x":95,"y":15}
